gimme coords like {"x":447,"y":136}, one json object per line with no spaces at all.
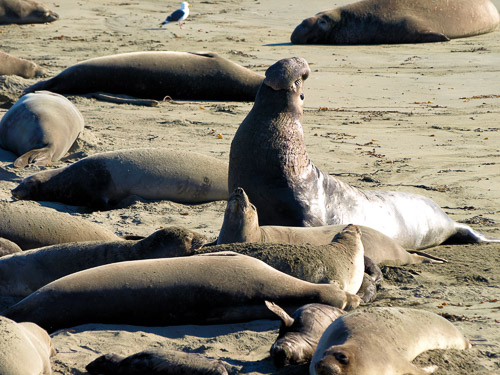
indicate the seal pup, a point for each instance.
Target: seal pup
{"x":167,"y":362}
{"x":398,"y":21}
{"x":200,"y":289}
{"x":25,"y":348}
{"x":41,"y":127}
{"x":383,"y":340}
{"x":299,"y":333}
{"x":25,"y":11}
{"x":23,"y":273}
{"x":268,"y":158}
{"x":155,"y":75}
{"x":102,"y":180}
{"x":8,"y":247}
{"x":11,"y":65}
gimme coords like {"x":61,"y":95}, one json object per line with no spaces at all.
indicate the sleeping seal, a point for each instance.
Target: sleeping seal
{"x":10,"y":65}
{"x":25,"y":11}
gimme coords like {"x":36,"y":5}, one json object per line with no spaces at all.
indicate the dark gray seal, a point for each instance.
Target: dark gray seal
{"x":11,"y":65}
{"x":155,"y":75}
{"x":268,"y":158}
{"x":25,"y":11}
{"x":398,"y":21}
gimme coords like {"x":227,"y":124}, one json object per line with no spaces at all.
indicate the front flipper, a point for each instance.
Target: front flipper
{"x":40,"y":156}
{"x":431,"y":37}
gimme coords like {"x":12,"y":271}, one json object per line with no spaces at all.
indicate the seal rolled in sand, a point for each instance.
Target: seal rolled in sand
{"x":25,"y":348}
{"x":30,"y":226}
{"x":156,"y":362}
{"x":155,"y":75}
{"x":21,"y":274}
{"x":269,"y":160}
{"x":200,"y":289}
{"x":41,"y":127}
{"x":398,"y":21}
{"x":383,"y":340}
{"x":25,"y":11}
{"x":300,"y":333}
{"x":10,"y":65}
{"x":102,"y":180}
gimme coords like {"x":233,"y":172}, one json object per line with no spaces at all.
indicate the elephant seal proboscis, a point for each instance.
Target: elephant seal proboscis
{"x":268,"y":158}
{"x":41,"y":127}
{"x":30,"y":226}
{"x":200,"y":289}
{"x":398,"y":21}
{"x":25,"y":11}
{"x":241,"y":224}
{"x":156,"y":362}
{"x":25,"y":348}
{"x":155,"y":75}
{"x":23,"y":273}
{"x":300,"y":332}
{"x":11,"y":65}
{"x":383,"y":340}
{"x":101,"y":181}
{"x":8,"y":247}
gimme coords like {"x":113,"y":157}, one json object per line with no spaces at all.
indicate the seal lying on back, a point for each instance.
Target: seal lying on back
{"x":155,"y":75}
{"x":102,"y":180}
{"x":383,"y":340}
{"x":25,"y":11}
{"x":268,"y":158}
{"x":10,"y":65}
{"x":23,"y":273}
{"x":158,"y":362}
{"x":41,"y":127}
{"x":201,"y":289}
{"x":398,"y":21}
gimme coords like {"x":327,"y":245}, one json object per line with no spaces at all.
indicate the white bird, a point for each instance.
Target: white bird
{"x":179,"y":15}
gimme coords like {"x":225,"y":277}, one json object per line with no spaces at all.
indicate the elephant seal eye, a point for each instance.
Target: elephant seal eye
{"x":302,"y":96}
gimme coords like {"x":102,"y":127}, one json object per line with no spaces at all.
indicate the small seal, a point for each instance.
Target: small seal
{"x":25,"y":11}
{"x":11,"y":65}
{"x":8,"y":247}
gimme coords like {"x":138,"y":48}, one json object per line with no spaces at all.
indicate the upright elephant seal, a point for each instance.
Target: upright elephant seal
{"x":25,"y":11}
{"x":25,"y":348}
{"x":155,"y":75}
{"x":102,"y":180}
{"x":11,"y":65}
{"x":383,"y":341}
{"x":398,"y":21}
{"x":23,"y":273}
{"x":268,"y":158}
{"x":201,"y":289}
{"x":41,"y":127}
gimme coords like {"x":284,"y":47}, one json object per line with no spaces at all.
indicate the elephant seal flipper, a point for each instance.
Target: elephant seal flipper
{"x":41,"y":157}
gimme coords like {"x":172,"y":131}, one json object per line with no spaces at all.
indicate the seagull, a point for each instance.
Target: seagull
{"x":179,"y":15}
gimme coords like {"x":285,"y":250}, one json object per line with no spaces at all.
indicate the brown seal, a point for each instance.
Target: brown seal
{"x":25,"y":11}
{"x":8,"y":247}
{"x":11,"y":65}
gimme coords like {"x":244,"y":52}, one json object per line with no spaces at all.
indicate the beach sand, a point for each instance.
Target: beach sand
{"x":420,"y":118}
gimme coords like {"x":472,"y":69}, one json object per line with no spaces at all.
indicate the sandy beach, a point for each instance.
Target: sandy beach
{"x":419,"y":118}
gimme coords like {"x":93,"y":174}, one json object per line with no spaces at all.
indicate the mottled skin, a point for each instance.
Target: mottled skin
{"x":383,"y":340}
{"x":268,"y":158}
{"x":25,"y":11}
{"x":299,"y":333}
{"x":201,"y":289}
{"x":11,"y":65}
{"x":155,"y":75}
{"x":398,"y":21}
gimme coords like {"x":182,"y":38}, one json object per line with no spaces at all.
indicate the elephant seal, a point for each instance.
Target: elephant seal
{"x":268,"y":158}
{"x":41,"y":127}
{"x":23,"y":273}
{"x":383,"y":340}
{"x":200,"y":289}
{"x":25,"y":348}
{"x":25,"y":11}
{"x":241,"y":224}
{"x":167,"y":362}
{"x":398,"y":21}
{"x":155,"y":75}
{"x":8,"y":247}
{"x":299,"y":333}
{"x":30,"y":226}
{"x":102,"y":180}
{"x":10,"y":65}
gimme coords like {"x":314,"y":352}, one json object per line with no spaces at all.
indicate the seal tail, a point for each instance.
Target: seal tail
{"x":465,"y":234}
{"x":40,"y":156}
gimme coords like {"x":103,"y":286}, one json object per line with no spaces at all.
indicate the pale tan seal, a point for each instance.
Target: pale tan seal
{"x":398,"y":21}
{"x":102,"y":180}
{"x":8,"y":247}
{"x":25,"y":11}
{"x":11,"y":65}
{"x":383,"y":340}
{"x":41,"y":127}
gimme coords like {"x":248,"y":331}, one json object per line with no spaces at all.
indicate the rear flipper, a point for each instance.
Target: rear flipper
{"x":466,"y":234}
{"x":40,"y":156}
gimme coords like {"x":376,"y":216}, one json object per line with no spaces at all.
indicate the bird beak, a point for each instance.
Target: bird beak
{"x":189,"y":5}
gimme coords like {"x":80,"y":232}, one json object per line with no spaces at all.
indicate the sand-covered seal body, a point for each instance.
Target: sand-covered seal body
{"x":383,"y":340}
{"x":41,"y":127}
{"x":23,"y":273}
{"x":25,"y":11}
{"x":102,"y":180}
{"x":268,"y":159}
{"x":201,"y":289}
{"x":398,"y":21}
{"x":11,"y":65}
{"x":155,"y":75}
{"x":156,"y":362}
{"x":8,"y":247}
